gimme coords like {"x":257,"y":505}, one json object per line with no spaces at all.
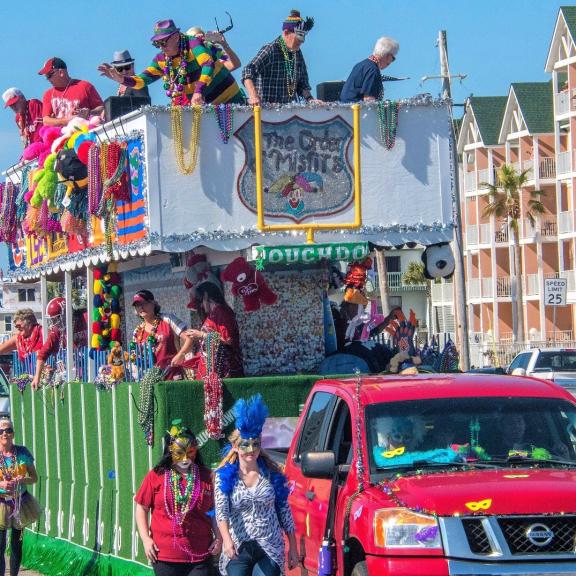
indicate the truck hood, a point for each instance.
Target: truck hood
{"x":506,"y":491}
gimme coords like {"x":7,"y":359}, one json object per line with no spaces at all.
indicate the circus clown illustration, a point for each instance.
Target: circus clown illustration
{"x":295,"y":188}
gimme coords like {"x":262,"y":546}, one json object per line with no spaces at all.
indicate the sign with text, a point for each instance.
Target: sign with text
{"x":306,"y":253}
{"x":555,"y":290}
{"x":306,"y":171}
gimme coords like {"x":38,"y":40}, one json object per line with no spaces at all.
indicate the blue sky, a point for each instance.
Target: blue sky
{"x":494,"y":42}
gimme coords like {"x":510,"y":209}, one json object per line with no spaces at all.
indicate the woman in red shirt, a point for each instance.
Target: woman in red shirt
{"x":28,"y":337}
{"x":173,"y":510}
{"x":217,"y":318}
{"x":162,"y":331}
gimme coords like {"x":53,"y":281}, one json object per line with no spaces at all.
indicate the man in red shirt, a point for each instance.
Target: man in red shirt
{"x":28,"y":114}
{"x":68,"y":97}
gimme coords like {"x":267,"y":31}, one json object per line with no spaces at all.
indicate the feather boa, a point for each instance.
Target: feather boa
{"x":228,"y":476}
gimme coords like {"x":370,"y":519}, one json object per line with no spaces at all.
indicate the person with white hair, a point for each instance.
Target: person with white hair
{"x":365,"y":80}
{"x":28,"y":114}
{"x":218,"y":45}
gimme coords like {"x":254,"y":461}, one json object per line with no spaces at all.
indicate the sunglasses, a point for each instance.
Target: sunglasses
{"x":393,"y":57}
{"x":50,"y":74}
{"x":6,"y":431}
{"x":161,"y":43}
{"x":123,"y":68}
{"x":246,"y":445}
{"x":19,"y":326}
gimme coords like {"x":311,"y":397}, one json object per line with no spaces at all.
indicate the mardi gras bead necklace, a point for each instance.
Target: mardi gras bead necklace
{"x":289,"y":67}
{"x":388,"y":122}
{"x":139,"y":333}
{"x":175,"y":77}
{"x":178,"y":136}
{"x":225,"y":118}
{"x":213,"y":393}
{"x":94,"y":180}
{"x":116,"y":182}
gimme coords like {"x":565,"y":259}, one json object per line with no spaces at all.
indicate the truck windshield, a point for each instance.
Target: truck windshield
{"x":560,"y":361}
{"x":477,"y":431}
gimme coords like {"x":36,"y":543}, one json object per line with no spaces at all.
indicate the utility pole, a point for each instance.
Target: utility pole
{"x":459,"y":281}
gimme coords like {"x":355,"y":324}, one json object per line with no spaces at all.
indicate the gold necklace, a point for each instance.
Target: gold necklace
{"x":178,"y":135}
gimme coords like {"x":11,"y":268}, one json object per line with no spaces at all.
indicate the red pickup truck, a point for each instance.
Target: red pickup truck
{"x":458,"y":474}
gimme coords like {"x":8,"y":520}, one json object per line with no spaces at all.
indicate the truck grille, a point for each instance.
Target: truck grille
{"x":477,"y":538}
{"x":516,"y":530}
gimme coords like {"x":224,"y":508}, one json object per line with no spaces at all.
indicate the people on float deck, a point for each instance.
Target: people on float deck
{"x":172,"y":510}
{"x":365,"y":80}
{"x":187,"y":68}
{"x":218,"y":46}
{"x":28,"y":114}
{"x":18,"y":508}
{"x":251,"y":494}
{"x":217,"y":317}
{"x":68,"y":97}
{"x":278,"y":72}
{"x":123,"y":63}
{"x":163,"y":331}
{"x":28,"y":337}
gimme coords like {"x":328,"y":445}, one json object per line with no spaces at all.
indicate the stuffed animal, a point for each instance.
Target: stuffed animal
{"x":249,"y":284}
{"x":355,"y":282}
{"x":198,"y":271}
{"x":116,"y":359}
{"x":40,"y":150}
{"x":438,"y":261}
{"x":46,"y":181}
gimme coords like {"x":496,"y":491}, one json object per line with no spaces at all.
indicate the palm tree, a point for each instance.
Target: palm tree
{"x":505,"y":202}
{"x":414,"y":276}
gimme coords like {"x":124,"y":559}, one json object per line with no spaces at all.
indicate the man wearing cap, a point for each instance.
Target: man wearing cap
{"x":68,"y":97}
{"x":187,"y":68}
{"x":28,"y":114}
{"x":278,"y":72}
{"x":365,"y":80}
{"x":124,"y":64}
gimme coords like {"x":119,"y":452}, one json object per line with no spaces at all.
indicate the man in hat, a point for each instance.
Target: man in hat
{"x":68,"y":97}
{"x":28,"y":114}
{"x":196,"y":78}
{"x":278,"y":72}
{"x":124,"y":64}
{"x":365,"y":80}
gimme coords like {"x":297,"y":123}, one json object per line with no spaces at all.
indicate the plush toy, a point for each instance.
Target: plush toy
{"x":40,"y":150}
{"x":116,"y":359}
{"x":355,"y":282}
{"x":198,"y":271}
{"x":249,"y":284}
{"x":438,"y":261}
{"x":46,"y":181}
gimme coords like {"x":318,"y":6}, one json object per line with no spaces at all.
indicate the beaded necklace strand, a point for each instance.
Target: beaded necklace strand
{"x":175,"y":78}
{"x":178,"y":135}
{"x":388,"y":122}
{"x":225,"y":119}
{"x":289,"y":67}
{"x":213,"y":394}
{"x":141,"y":330}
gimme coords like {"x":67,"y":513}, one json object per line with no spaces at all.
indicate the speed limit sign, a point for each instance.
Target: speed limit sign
{"x":555,"y":291}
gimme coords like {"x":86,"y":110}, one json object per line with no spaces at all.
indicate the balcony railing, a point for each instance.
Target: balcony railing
{"x":564,"y":162}
{"x":528,"y":165}
{"x":570,"y":275}
{"x":483,"y":178}
{"x":485,"y":236}
{"x":501,"y":236}
{"x":562,"y":103}
{"x":528,"y":230}
{"x":559,"y":336}
{"x":548,"y":226}
{"x":472,"y":234}
{"x":474,"y":288}
{"x":566,"y":222}
{"x":395,"y":282}
{"x":487,"y":288}
{"x":470,"y":181}
{"x":547,"y":167}
{"x":443,"y":292}
{"x":531,"y":284}
{"x":503,"y":287}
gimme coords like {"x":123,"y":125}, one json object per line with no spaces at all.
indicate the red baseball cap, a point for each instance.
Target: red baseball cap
{"x":11,"y":96}
{"x":142,"y":296}
{"x":53,"y":63}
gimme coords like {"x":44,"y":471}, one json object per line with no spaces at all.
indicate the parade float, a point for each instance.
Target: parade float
{"x":266,"y":198}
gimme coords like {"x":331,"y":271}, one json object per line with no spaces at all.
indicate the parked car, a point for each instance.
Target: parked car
{"x":452,"y":495}
{"x":554,"y":364}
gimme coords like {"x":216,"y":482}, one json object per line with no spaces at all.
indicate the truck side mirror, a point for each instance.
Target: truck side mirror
{"x":318,"y":464}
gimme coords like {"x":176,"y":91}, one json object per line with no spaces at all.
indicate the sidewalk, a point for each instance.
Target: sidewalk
{"x":23,"y":572}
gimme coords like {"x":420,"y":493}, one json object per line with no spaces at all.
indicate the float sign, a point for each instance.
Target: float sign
{"x":555,"y":291}
{"x":306,"y":253}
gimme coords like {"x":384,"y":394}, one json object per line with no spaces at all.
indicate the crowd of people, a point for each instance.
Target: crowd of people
{"x":196,"y":68}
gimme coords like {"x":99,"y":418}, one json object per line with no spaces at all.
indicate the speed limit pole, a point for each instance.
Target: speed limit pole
{"x":555,"y":290}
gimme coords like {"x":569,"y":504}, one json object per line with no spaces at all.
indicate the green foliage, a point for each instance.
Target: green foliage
{"x":414,"y":274}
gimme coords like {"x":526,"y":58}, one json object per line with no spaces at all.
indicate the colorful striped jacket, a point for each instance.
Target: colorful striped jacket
{"x":211,"y":79}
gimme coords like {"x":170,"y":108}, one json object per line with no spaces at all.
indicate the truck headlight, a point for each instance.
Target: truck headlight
{"x":402,"y":528}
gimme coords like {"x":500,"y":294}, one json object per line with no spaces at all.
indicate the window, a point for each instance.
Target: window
{"x":26,"y":295}
{"x":393,"y":264}
{"x":340,"y":435}
{"x":8,"y":323}
{"x":521,"y":361}
{"x":314,"y":429}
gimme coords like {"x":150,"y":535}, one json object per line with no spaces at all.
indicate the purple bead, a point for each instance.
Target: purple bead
{"x":168,"y":93}
{"x":180,"y":88}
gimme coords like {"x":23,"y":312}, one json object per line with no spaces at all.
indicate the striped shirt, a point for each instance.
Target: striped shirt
{"x":204,"y":75}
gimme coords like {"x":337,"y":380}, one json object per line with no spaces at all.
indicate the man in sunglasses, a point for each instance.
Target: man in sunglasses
{"x":68,"y":97}
{"x":124,"y":64}
{"x":278,"y":72}
{"x":365,"y":80}
{"x":28,"y":336}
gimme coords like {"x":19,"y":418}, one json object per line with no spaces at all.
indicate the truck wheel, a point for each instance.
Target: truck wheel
{"x":360,"y":569}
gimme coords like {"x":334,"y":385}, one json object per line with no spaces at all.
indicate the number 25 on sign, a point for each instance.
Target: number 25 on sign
{"x":555,"y":291}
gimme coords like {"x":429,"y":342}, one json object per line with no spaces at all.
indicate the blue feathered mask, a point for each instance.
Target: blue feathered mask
{"x":250,"y":416}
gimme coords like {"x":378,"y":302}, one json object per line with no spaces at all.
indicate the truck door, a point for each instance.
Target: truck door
{"x":338,"y":439}
{"x":313,"y":434}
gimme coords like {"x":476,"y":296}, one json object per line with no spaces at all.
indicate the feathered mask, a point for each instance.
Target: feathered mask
{"x":296,"y":23}
{"x":250,"y":416}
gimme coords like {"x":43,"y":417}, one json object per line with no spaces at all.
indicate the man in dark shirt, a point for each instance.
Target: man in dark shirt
{"x":365,"y":80}
{"x":278,"y":72}
{"x":28,"y":114}
{"x":124,"y":63}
